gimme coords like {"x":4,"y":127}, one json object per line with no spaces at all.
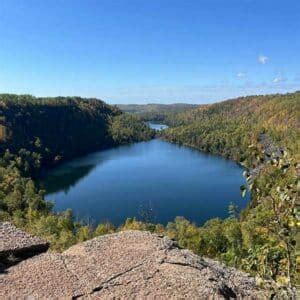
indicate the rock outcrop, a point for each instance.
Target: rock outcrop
{"x":126,"y":265}
{"x":15,"y":242}
{"x":271,"y":151}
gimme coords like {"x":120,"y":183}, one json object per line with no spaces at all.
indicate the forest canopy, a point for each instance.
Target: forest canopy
{"x":55,"y":129}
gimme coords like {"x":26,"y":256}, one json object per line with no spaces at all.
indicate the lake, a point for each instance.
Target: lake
{"x":156,"y":126}
{"x":152,"y":181}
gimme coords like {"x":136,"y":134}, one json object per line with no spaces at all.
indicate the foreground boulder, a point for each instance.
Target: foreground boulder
{"x":17,"y":243}
{"x":130,"y":264}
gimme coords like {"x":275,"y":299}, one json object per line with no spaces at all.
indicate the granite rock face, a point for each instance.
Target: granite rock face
{"x":125,"y":265}
{"x":14,"y":241}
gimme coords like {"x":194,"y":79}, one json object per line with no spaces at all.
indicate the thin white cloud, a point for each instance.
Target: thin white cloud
{"x":263,"y":59}
{"x":278,"y":79}
{"x":241,"y":75}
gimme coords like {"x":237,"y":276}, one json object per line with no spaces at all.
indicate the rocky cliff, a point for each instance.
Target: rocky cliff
{"x":126,"y":265}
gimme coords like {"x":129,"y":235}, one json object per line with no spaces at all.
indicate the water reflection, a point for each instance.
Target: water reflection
{"x":67,"y":175}
{"x":65,"y":179}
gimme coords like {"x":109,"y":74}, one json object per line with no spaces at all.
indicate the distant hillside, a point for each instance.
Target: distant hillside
{"x":153,"y":107}
{"x":158,"y":112}
{"x":229,"y":127}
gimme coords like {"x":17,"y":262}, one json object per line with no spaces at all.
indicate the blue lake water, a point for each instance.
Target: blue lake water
{"x":156,"y":126}
{"x":153,"y":181}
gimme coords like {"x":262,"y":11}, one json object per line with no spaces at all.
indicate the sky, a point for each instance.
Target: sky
{"x":156,"y":51}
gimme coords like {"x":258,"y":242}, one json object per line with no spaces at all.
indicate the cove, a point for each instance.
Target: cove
{"x":152,"y":181}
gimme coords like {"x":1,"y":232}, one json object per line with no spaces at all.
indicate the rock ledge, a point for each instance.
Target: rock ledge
{"x":16,"y":242}
{"x":125,"y":265}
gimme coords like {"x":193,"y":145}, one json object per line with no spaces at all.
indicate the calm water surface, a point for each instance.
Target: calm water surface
{"x":157,"y":126}
{"x":154,"y":181}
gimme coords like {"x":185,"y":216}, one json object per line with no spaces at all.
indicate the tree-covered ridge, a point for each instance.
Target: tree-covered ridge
{"x":127,"y":128}
{"x":229,"y":127}
{"x":55,"y":129}
{"x":156,"y":112}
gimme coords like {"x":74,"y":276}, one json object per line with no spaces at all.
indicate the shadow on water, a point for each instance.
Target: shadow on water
{"x":69,"y":174}
{"x":64,"y":181}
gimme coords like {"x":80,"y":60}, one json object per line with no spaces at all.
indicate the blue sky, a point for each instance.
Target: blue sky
{"x":138,"y":51}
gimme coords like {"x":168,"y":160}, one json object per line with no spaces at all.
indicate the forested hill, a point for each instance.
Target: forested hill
{"x":156,"y":112}
{"x":52,"y":129}
{"x":229,"y":127}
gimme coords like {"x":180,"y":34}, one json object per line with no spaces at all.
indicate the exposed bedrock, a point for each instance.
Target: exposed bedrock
{"x":19,"y":244}
{"x":129,"y":264}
